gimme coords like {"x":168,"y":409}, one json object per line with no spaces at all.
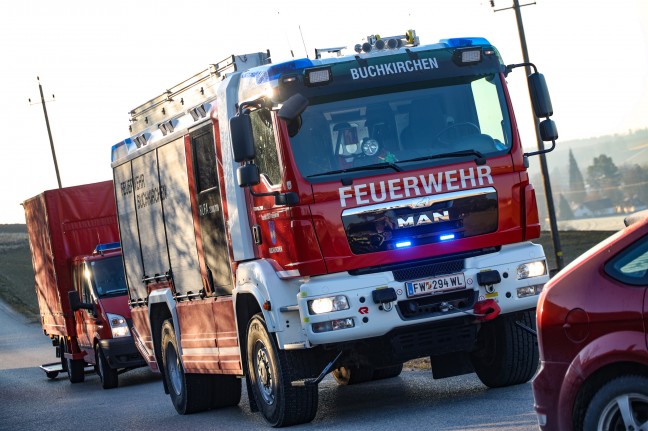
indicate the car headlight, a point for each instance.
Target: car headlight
{"x":328,"y":304}
{"x":531,"y":269}
{"x":118,"y":325}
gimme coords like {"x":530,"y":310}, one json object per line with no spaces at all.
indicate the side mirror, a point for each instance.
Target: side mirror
{"x":242,"y":138}
{"x":248,"y":175}
{"x":76,"y":304}
{"x":289,"y":199}
{"x":540,"y":98}
{"x":548,"y":130}
{"x":293,"y":107}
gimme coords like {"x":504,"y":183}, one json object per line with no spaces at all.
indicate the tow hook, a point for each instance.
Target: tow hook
{"x":385,"y":296}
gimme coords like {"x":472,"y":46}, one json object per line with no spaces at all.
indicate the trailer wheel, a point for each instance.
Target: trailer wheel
{"x":108,"y":376}
{"x":388,"y":372}
{"x":507,"y":354}
{"x":75,"y":368}
{"x":271,"y":372}
{"x":353,"y":375}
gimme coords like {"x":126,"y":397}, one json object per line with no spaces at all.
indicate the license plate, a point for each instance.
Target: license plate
{"x":434,"y":285}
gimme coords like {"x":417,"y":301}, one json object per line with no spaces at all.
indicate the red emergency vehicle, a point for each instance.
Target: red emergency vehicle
{"x":343,"y":214}
{"x":80,"y":282}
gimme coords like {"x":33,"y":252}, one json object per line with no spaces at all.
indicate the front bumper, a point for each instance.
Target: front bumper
{"x":121,"y":353}
{"x":366,"y":319}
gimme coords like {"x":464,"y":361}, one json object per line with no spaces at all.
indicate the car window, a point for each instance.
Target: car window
{"x":631,"y":265}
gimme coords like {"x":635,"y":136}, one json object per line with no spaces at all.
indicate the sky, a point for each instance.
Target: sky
{"x":102,"y":59}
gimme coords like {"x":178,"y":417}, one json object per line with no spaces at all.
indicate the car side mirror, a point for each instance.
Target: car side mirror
{"x":242,"y":138}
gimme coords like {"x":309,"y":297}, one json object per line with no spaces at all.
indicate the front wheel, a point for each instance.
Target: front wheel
{"x":108,"y":376}
{"x":271,"y":372}
{"x":622,"y":403}
{"x":507,"y":354}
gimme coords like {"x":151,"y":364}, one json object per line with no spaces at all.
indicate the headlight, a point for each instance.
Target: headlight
{"x":531,"y":269}
{"x":328,"y":304}
{"x":118,"y":325}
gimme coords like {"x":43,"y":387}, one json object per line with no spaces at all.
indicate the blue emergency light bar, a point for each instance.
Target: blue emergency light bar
{"x":461,"y":42}
{"x":101,"y":248}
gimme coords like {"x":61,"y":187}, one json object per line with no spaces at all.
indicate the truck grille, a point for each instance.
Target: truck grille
{"x":428,"y":270}
{"x":436,"y":305}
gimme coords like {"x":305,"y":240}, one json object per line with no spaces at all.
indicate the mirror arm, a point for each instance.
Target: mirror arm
{"x":510,"y":67}
{"x":546,"y":150}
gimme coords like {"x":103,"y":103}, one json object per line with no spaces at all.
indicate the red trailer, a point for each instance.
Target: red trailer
{"x":79,"y":279}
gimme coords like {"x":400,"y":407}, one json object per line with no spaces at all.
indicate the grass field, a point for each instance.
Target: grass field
{"x":17,"y":275}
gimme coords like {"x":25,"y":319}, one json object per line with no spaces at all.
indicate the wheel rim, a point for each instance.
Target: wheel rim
{"x":263,"y":370}
{"x":625,"y":412}
{"x":173,"y":369}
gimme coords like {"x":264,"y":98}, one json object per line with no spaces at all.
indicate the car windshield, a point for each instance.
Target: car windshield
{"x":108,"y":276}
{"x":466,"y":117}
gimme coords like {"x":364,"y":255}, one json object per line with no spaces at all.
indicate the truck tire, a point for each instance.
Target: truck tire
{"x":507,"y":354}
{"x":353,"y":375}
{"x":75,"y":368}
{"x":387,"y":372}
{"x":190,"y":393}
{"x":271,"y":372}
{"x":622,"y":403}
{"x":108,"y":376}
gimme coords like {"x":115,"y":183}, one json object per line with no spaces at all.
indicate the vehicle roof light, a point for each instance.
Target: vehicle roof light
{"x":460,"y":42}
{"x":471,"y":56}
{"x":318,"y":76}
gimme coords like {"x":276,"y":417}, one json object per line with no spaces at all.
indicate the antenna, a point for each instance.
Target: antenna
{"x":302,"y":38}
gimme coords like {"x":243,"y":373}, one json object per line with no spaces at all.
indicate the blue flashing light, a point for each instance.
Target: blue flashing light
{"x":276,"y":70}
{"x":461,"y":42}
{"x":446,"y":237}
{"x":107,"y":246}
{"x":403,"y":244}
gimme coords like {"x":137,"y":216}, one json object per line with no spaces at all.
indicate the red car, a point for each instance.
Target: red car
{"x":592,"y":319}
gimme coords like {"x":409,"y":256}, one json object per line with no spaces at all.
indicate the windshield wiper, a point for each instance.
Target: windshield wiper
{"x":381,"y":165}
{"x":479,"y":160}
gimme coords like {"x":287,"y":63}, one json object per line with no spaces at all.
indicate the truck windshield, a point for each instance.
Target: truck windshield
{"x":108,"y":276}
{"x":401,"y":130}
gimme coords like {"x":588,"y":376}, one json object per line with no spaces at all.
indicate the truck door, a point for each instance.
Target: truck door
{"x":86,"y":323}
{"x":210,"y":211}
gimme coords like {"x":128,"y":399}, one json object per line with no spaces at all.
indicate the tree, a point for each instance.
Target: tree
{"x":564,"y":209}
{"x":635,"y":182}
{"x":576,"y":181}
{"x":604,"y":179}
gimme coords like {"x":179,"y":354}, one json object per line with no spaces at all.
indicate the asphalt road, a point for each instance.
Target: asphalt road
{"x":413,"y":401}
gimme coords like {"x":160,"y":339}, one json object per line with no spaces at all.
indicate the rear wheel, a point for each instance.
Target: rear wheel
{"x":507,"y":354}
{"x":191,"y":393}
{"x":108,"y":376}
{"x":622,"y":403}
{"x":271,"y":372}
{"x":75,"y":368}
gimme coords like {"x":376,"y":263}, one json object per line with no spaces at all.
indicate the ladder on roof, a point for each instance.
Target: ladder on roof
{"x":191,"y":92}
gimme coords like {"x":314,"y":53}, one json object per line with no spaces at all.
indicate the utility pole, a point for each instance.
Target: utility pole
{"x":543,"y":160}
{"x":49,"y":131}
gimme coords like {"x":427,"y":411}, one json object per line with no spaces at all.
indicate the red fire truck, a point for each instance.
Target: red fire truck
{"x":80,"y":286}
{"x":345,"y":214}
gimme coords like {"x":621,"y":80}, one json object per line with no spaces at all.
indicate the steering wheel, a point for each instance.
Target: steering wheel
{"x":445,"y":138}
